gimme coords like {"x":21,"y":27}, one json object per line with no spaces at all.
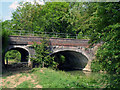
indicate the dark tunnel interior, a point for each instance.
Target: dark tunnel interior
{"x":71,"y":60}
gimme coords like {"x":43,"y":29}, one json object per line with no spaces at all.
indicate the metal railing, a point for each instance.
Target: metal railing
{"x":41,"y":34}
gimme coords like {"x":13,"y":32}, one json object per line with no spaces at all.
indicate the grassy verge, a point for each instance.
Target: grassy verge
{"x":48,"y":78}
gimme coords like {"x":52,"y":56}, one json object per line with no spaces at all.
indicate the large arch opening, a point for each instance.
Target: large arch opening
{"x":16,"y":55}
{"x":70,"y":60}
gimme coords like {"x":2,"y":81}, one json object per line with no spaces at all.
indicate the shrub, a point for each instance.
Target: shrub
{"x":42,"y":56}
{"x":95,"y":66}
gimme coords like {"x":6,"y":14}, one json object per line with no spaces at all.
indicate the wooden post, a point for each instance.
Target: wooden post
{"x":7,"y":60}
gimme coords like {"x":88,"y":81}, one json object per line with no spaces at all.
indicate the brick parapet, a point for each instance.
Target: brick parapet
{"x":53,"y":41}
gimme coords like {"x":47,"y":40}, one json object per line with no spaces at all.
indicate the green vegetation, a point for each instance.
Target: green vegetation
{"x":58,"y":79}
{"x":103,"y":26}
{"x":5,"y":34}
{"x":26,"y":84}
{"x":95,"y":66}
{"x":42,"y":57}
{"x":98,"y":22}
{"x":42,"y":18}
{"x":13,"y":56}
{"x":48,"y":78}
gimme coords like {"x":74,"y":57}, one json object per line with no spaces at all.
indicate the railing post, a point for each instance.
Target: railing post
{"x":33,"y":33}
{"x":67,"y":35}
{"x":45,"y":34}
{"x":20,"y":32}
{"x":76,"y":36}
{"x":56,"y":34}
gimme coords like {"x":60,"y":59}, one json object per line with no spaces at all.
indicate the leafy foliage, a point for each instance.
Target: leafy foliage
{"x":41,"y":18}
{"x":107,"y":30}
{"x":42,"y":57}
{"x":13,"y":55}
{"x":78,"y":16}
{"x":96,"y":66}
{"x":5,"y":34}
{"x":100,"y":21}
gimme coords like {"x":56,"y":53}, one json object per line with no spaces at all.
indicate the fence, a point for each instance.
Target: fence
{"x":46,"y":34}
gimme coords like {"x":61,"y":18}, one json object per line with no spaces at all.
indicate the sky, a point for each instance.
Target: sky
{"x":7,"y":7}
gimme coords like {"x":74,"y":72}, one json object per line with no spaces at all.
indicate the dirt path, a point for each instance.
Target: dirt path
{"x":20,"y":80}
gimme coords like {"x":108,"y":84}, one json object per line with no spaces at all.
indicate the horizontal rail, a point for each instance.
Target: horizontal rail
{"x":46,"y":34}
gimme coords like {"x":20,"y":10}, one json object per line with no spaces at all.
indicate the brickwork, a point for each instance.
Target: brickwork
{"x":53,"y":41}
{"x":57,"y":45}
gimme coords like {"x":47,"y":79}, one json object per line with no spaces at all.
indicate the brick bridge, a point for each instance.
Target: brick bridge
{"x":76,"y":51}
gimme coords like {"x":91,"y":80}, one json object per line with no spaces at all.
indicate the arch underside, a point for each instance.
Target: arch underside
{"x":73,"y":59}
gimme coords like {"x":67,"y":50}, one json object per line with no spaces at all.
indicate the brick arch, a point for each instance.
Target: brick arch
{"x":70,"y":49}
{"x":74,"y":59}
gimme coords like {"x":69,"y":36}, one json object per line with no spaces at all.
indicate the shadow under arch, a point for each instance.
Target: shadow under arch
{"x":73,"y":60}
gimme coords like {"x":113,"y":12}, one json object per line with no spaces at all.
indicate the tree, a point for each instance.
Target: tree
{"x":100,"y":21}
{"x":42,"y":18}
{"x":78,"y":16}
{"x":5,"y":34}
{"x":23,"y":17}
{"x":103,"y":26}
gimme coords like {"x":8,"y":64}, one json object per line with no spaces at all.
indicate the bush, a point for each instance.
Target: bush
{"x":42,"y":56}
{"x":95,"y":66}
{"x":109,"y":55}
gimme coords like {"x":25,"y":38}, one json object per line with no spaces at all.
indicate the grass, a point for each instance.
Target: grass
{"x":48,"y":78}
{"x":26,"y":84}
{"x":4,"y":77}
{"x":8,"y":82}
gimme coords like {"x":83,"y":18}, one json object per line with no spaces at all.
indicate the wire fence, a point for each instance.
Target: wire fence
{"x":41,"y":34}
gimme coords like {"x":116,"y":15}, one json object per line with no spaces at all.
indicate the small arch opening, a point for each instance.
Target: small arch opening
{"x":12,"y":56}
{"x":16,"y":58}
{"x":70,"y":60}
